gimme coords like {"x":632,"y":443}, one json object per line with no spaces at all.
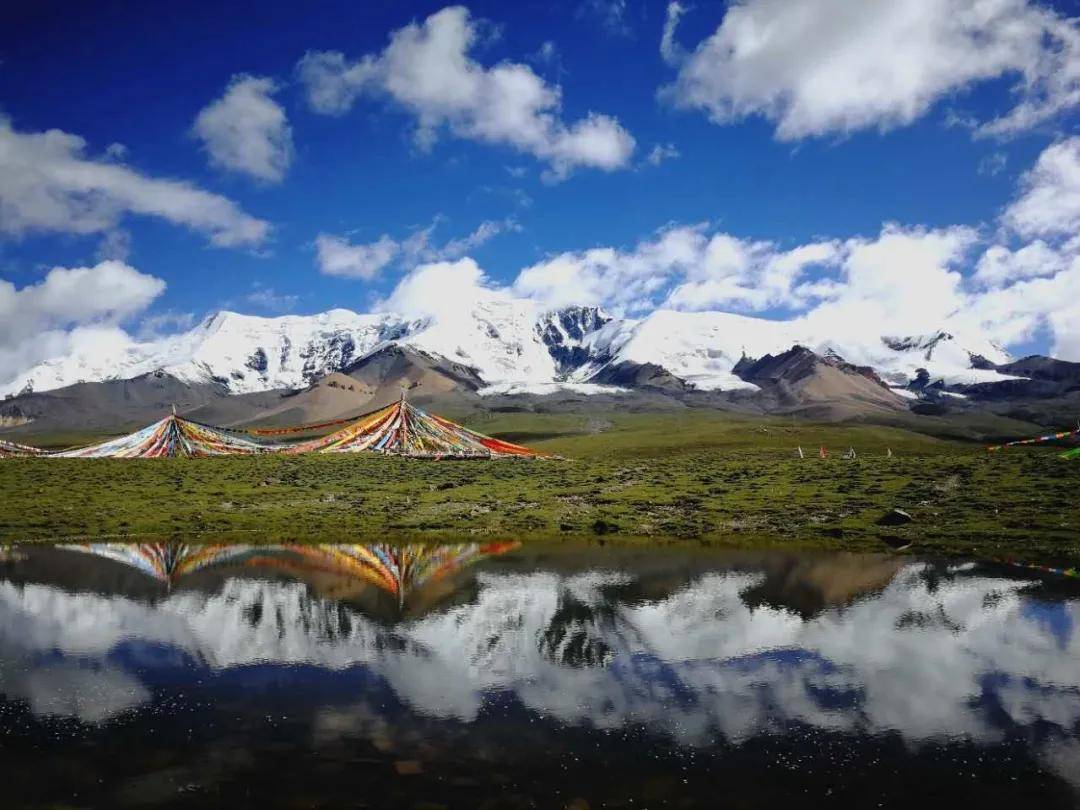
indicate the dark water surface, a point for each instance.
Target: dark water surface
{"x":516,"y":676}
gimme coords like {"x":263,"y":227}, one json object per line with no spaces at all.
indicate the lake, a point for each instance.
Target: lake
{"x":513,"y":675}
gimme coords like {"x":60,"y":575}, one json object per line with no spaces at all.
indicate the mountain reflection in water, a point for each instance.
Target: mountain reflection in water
{"x":505,"y":673}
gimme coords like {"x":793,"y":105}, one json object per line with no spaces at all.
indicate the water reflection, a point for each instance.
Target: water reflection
{"x":698,"y":650}
{"x":403,"y":571}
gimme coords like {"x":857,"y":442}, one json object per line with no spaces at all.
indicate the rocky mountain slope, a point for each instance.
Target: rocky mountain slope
{"x":1034,"y":377}
{"x":823,"y":387}
{"x":113,"y":404}
{"x":369,"y":383}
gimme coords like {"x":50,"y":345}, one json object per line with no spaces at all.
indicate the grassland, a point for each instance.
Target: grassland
{"x":706,"y":476}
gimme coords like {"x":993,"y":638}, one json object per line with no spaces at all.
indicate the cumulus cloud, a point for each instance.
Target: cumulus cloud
{"x":745,"y":275}
{"x":919,"y":280}
{"x":427,"y":70}
{"x":70,"y":306}
{"x":1018,"y":312}
{"x":1065,"y":325}
{"x":441,"y":287}
{"x":247,"y":131}
{"x":1000,"y":265}
{"x":1029,"y":281}
{"x":682,"y":267}
{"x":337,"y":256}
{"x":906,"y":281}
{"x":1049,"y":203}
{"x":624,"y":280}
{"x":815,"y":67}
{"x":49,"y":185}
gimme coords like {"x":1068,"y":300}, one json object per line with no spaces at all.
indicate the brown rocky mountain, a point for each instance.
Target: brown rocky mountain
{"x":800,"y":381}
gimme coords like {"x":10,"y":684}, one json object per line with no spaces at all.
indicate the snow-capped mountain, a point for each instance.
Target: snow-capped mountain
{"x":702,"y":348}
{"x":512,"y":344}
{"x":567,"y":334}
{"x":245,"y":353}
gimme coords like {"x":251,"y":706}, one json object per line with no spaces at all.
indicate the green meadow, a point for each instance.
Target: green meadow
{"x":703,"y":476}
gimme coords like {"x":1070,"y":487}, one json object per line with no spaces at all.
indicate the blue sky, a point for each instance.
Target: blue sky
{"x":139,"y":75}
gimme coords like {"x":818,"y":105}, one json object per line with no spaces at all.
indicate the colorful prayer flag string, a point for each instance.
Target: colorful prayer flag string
{"x":1050,"y":437}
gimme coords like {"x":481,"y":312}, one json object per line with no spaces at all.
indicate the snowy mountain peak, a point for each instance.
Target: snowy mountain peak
{"x":507,"y":342}
{"x":563,"y":331}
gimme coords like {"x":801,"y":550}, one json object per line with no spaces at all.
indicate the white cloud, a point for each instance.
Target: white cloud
{"x":427,"y":70}
{"x":1065,"y":325}
{"x":907,"y":281}
{"x":1050,"y":201}
{"x":47,"y":184}
{"x":247,"y":131}
{"x":337,"y":256}
{"x":69,"y":306}
{"x":681,"y":267}
{"x":670,"y":50}
{"x":816,"y":67}
{"x":743,"y":275}
{"x":485,"y":231}
{"x":1000,"y":265}
{"x":662,"y":152}
{"x":623,"y":280}
{"x":1028,"y":284}
{"x":441,"y":288}
{"x":1017,"y":313}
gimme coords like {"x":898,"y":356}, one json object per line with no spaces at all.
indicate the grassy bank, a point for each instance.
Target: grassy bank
{"x":704,"y":475}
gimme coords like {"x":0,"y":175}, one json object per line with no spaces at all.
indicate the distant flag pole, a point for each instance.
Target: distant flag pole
{"x":801,"y":452}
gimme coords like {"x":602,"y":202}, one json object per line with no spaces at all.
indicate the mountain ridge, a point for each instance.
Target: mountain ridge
{"x":234,"y":369}
{"x":506,"y":342}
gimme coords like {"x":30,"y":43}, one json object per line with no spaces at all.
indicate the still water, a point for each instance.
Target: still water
{"x":515,"y":676}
